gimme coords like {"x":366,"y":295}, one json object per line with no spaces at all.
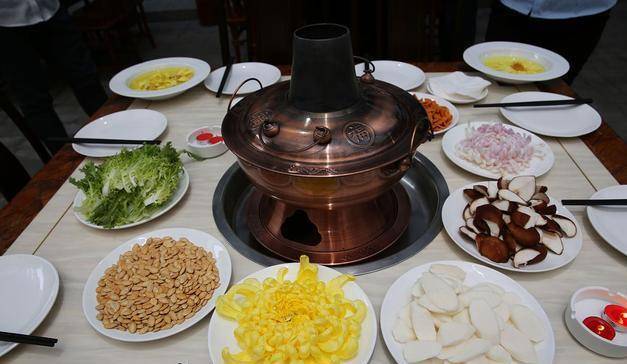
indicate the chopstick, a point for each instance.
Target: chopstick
{"x":101,"y":141}
{"x":597,"y":202}
{"x":225,"y":75}
{"x":537,"y":103}
{"x":27,"y":339}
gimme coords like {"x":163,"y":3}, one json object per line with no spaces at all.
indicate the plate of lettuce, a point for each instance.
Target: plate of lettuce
{"x":130,"y":188}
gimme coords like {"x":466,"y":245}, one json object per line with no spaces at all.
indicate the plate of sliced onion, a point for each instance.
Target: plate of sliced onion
{"x":494,"y":150}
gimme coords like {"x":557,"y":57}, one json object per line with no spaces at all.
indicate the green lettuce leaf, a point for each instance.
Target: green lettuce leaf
{"x":129,"y":186}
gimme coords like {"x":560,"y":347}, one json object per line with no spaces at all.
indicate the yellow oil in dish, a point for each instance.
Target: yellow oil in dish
{"x":513,"y":64}
{"x":161,"y":78}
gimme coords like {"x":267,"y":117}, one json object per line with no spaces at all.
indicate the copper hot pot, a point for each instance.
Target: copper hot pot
{"x":325,"y":151}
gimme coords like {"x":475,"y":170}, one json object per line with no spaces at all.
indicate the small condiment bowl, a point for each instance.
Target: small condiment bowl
{"x":590,"y":301}
{"x":206,"y":149}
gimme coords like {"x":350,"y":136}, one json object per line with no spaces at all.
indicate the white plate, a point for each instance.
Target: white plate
{"x":221,"y":329}
{"x":609,"y":221}
{"x":29,"y":286}
{"x":440,"y":101}
{"x":119,"y":83}
{"x":266,"y":73}
{"x":558,"y":121}
{"x":399,"y":294}
{"x":554,"y":64}
{"x":537,"y":167}
{"x":140,"y":124}
{"x":457,"y":99}
{"x":198,"y":238}
{"x":236,"y":100}
{"x":452,"y":219}
{"x":176,"y":197}
{"x":400,"y":74}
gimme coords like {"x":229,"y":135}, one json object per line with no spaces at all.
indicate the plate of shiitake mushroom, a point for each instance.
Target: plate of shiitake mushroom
{"x":512,"y":224}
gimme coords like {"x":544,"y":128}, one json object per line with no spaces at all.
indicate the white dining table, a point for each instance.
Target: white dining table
{"x":75,"y":249}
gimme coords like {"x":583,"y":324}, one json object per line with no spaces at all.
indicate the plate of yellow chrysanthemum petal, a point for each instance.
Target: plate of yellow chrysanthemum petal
{"x":293,"y":312}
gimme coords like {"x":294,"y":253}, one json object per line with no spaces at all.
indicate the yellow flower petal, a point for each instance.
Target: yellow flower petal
{"x":302,"y":321}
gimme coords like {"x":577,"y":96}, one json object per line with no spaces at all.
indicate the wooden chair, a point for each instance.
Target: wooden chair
{"x":107,"y":23}
{"x":17,"y":177}
{"x":14,"y":175}
{"x":237,"y":23}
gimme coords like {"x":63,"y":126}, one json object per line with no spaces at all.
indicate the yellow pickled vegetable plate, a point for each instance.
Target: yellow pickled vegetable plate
{"x":293,"y":313}
{"x":160,"y":79}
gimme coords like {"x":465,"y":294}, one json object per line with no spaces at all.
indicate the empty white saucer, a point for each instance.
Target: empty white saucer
{"x":557,"y":121}
{"x":609,"y":221}
{"x":29,"y":286}
{"x":267,"y":74}
{"x":399,"y":74}
{"x":139,"y":124}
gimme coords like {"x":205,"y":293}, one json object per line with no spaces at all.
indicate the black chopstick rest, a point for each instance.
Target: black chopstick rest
{"x":27,"y":339}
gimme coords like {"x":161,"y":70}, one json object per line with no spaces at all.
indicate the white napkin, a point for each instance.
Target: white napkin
{"x":457,"y":83}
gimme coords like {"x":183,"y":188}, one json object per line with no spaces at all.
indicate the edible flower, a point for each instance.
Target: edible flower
{"x":300,"y":321}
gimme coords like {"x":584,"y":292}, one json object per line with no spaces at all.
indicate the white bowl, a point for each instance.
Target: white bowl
{"x":554,"y":64}
{"x":206,"y":150}
{"x":590,"y":301}
{"x":120,"y":82}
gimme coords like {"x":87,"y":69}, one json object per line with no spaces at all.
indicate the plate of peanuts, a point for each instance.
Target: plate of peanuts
{"x":156,"y":284}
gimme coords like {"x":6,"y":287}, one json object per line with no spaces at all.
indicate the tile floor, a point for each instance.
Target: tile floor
{"x":604,"y":77}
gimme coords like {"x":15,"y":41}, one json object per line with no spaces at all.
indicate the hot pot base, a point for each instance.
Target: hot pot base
{"x":332,"y":237}
{"x":425,"y":187}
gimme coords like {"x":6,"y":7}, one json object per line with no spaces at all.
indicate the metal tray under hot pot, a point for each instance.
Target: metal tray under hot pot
{"x":423,"y":183}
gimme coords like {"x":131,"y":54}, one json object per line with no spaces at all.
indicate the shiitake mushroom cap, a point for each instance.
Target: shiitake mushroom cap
{"x":492,"y":248}
{"x":519,"y":218}
{"x":543,"y":252}
{"x":552,"y":226}
{"x":528,"y":256}
{"x":472,"y":194}
{"x":544,"y":208}
{"x":524,"y":237}
{"x":509,"y":240}
{"x":491,"y":213}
